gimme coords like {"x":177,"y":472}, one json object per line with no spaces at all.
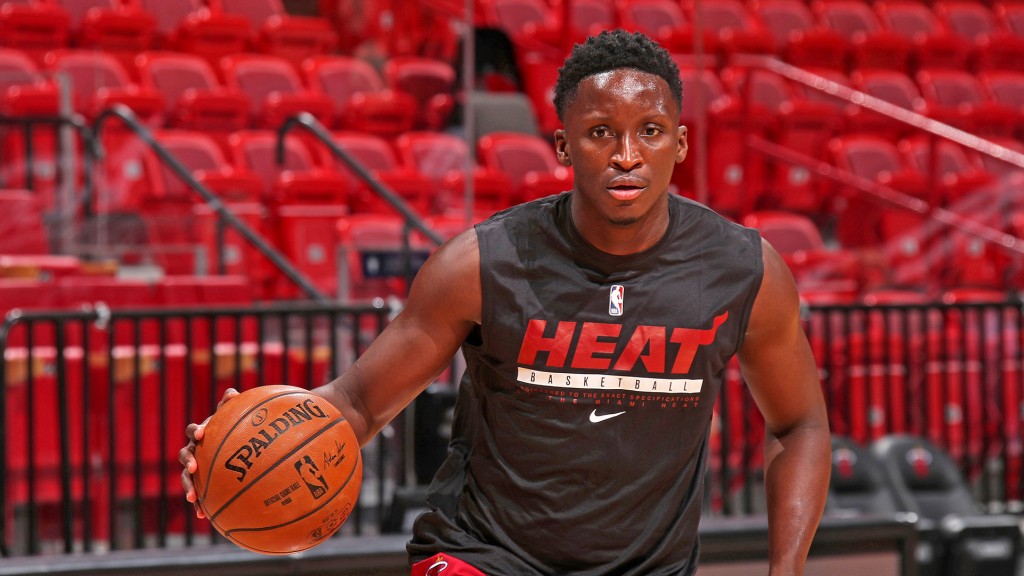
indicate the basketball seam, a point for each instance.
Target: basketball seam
{"x":216,"y":453}
{"x":229,"y":533}
{"x":269,"y":470}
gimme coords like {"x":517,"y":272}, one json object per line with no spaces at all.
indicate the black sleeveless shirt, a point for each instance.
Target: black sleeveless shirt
{"x":581,"y":426}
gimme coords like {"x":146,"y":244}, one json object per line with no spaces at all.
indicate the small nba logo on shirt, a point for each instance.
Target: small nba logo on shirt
{"x":615,"y":301}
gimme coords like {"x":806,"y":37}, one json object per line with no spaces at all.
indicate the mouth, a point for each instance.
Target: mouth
{"x":624,"y":191}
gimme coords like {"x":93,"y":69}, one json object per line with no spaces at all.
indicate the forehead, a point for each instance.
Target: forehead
{"x":623,"y":88}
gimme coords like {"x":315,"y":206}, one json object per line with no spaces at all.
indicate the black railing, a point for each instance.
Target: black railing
{"x":95,"y":402}
{"x":310,"y":124}
{"x":224,"y":214}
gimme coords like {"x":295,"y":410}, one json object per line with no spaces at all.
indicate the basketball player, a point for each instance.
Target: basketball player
{"x":596,"y":327}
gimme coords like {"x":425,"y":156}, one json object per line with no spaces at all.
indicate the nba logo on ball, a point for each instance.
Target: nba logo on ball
{"x":615,"y":300}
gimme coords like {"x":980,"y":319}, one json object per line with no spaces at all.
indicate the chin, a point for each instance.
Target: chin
{"x":623,"y":221}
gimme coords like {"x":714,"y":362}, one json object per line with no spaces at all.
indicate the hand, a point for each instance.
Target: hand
{"x":186,"y":455}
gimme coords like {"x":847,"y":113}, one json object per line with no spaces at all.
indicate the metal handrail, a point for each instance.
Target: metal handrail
{"x":877,"y":191}
{"x":314,"y":127}
{"x":880,"y":106}
{"x":127,"y":117}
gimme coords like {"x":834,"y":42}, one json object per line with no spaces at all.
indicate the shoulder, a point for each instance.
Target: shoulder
{"x":449,"y":281}
{"x":777,"y":306}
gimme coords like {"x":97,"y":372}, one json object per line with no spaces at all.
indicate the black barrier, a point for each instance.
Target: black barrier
{"x":94,"y":404}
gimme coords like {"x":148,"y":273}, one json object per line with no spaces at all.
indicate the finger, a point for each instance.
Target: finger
{"x":185,"y":454}
{"x":186,"y":484}
{"x":228,"y":394}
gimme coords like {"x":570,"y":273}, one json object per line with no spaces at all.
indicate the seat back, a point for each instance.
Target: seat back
{"x":970,"y":20}
{"x":950,"y":87}
{"x":89,"y":72}
{"x":893,"y":86}
{"x":260,"y":75}
{"x":849,"y":18}
{"x":517,"y":154}
{"x":787,"y":232}
{"x":858,"y":481}
{"x":21,"y":223}
{"x":923,"y":478}
{"x":172,"y":73}
{"x":341,"y":77}
{"x":433,"y":154}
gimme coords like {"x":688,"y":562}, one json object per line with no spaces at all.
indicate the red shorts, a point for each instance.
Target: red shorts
{"x":444,"y":565}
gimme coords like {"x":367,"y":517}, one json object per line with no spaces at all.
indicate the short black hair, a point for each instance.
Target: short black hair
{"x":611,"y":50}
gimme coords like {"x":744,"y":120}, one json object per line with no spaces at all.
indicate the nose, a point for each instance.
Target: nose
{"x":627,"y":153}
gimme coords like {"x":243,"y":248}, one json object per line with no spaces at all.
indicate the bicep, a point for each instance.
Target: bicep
{"x":775,"y":358}
{"x":442,"y":308}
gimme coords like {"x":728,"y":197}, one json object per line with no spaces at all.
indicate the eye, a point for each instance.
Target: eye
{"x":600,"y":132}
{"x":652,"y":131}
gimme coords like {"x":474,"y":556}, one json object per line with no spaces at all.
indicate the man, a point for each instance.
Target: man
{"x":596,"y":327}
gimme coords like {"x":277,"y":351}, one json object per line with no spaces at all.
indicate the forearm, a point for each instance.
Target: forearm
{"x":797,"y":468}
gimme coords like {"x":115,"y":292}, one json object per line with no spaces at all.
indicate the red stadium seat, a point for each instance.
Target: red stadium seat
{"x":865,"y":222}
{"x":933,"y":45}
{"x":737,"y":177}
{"x":98,"y":81}
{"x":892,"y":86}
{"x":21,"y":224}
{"x":361,"y":101}
{"x":376,"y":155}
{"x":120,"y":30}
{"x":956,"y":171}
{"x":539,"y":77}
{"x":445,"y":159}
{"x":999,"y":168}
{"x":871,"y":45}
{"x":528,"y":161}
{"x":590,"y":17}
{"x":431,"y":82}
{"x":666,"y":23}
{"x":802,"y":125}
{"x":193,"y":97}
{"x":274,"y":89}
{"x":189,"y":26}
{"x":534,"y":26}
{"x":304,"y":200}
{"x":798,"y":240}
{"x":34,"y":27}
{"x":25,"y":248}
{"x":1005,"y":87}
{"x":799,"y":38}
{"x":291,"y":37}
{"x":739,"y":31}
{"x":993,"y":47}
{"x":300,"y":179}
{"x":1011,"y":16}
{"x":25,"y":91}
{"x":183,"y":212}
{"x":956,"y":97}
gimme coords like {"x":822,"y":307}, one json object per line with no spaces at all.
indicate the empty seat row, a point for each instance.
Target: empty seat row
{"x":183,"y":90}
{"x":831,"y":33}
{"x":124,"y":28}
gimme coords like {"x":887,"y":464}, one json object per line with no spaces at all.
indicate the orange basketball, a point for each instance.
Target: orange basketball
{"x":279,"y":469}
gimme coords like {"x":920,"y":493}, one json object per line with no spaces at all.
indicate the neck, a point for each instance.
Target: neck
{"x":621,"y":238}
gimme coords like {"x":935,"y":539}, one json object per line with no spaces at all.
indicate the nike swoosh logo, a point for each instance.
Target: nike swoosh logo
{"x":595,"y":418}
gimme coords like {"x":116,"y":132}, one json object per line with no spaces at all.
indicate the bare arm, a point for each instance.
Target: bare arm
{"x":443,"y":306}
{"x":779,"y":368}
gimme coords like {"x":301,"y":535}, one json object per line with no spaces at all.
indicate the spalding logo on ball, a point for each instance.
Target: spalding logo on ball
{"x":279,"y":469}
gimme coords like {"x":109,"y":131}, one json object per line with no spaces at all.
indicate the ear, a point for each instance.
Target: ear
{"x":682,"y":146}
{"x":562,"y":148}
